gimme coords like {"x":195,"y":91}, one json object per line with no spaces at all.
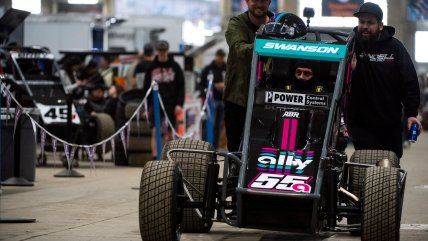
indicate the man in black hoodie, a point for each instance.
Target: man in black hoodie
{"x":384,"y":81}
{"x":170,"y":79}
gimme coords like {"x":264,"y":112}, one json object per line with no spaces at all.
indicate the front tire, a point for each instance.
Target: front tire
{"x":159,"y":212}
{"x":357,"y":174}
{"x":381,"y":204}
{"x":105,"y":129}
{"x":194,"y":167}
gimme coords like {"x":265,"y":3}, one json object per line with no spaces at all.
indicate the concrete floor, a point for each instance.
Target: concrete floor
{"x":103,"y":205}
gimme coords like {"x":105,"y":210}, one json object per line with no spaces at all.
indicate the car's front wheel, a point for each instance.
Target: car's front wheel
{"x":160,"y":214}
{"x":381,"y":204}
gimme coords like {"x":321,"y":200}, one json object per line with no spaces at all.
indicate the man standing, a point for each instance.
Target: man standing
{"x":384,"y":81}
{"x":170,"y":79}
{"x":140,"y":68}
{"x":240,"y":36}
{"x":216,"y":69}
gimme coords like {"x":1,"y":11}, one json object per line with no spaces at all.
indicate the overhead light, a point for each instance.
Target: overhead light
{"x":420,"y":46}
{"x":83,"y":1}
{"x":34,"y":7}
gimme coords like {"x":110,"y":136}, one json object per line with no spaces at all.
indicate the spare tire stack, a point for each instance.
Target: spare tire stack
{"x":139,"y":149}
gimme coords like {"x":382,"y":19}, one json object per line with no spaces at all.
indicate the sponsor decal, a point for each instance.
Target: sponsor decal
{"x":316,"y":100}
{"x":281,"y":161}
{"x":281,"y":170}
{"x":57,"y":114}
{"x":26,"y":55}
{"x":281,"y":182}
{"x":301,"y":48}
{"x":283,"y":98}
{"x":291,"y":114}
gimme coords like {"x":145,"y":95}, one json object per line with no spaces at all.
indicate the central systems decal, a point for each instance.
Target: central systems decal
{"x":296,"y":99}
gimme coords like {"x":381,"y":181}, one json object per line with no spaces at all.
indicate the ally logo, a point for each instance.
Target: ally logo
{"x":273,"y":160}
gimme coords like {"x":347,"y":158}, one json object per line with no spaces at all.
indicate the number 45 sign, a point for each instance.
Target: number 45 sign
{"x":282,"y":182}
{"x":57,"y":114}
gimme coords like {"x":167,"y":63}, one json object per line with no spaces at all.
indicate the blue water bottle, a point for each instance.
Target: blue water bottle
{"x":413,"y":133}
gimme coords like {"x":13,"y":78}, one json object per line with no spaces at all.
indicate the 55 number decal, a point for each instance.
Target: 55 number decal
{"x":282,"y":182}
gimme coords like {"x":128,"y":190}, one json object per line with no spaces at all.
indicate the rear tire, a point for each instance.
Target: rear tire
{"x":105,"y":129}
{"x":357,"y":174}
{"x":381,"y":204}
{"x":159,"y":211}
{"x":194,"y":168}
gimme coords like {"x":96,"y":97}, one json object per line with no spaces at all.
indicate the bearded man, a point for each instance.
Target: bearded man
{"x":384,"y":85}
{"x":240,"y":35}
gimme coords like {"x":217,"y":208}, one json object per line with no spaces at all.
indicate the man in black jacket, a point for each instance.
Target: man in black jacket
{"x":170,"y":79}
{"x":216,"y":69}
{"x":240,"y":34}
{"x":384,"y":81}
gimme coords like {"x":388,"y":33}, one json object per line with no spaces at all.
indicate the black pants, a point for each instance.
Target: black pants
{"x":377,"y":139}
{"x":234,"y":120}
{"x":218,"y":121}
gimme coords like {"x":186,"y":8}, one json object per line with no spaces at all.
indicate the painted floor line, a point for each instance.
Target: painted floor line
{"x":422,"y":187}
{"x":414,"y":227}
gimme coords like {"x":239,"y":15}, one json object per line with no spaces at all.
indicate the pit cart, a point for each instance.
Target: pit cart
{"x":294,"y":175}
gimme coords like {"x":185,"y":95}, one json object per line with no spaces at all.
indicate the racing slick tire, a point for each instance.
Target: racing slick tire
{"x":130,"y":96}
{"x":159,"y":212}
{"x":194,"y":168}
{"x":141,"y":129}
{"x":139,"y":144}
{"x":381,"y":204}
{"x":105,"y":128}
{"x":357,"y":174}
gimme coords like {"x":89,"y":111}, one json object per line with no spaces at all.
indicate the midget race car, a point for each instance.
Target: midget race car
{"x":32,"y":73}
{"x":292,"y":173}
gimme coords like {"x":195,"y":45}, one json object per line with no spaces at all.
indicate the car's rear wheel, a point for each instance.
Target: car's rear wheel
{"x":160,"y":214}
{"x":381,"y":204}
{"x":194,"y":168}
{"x":357,"y":174}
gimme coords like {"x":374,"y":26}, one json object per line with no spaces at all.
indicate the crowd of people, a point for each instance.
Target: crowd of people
{"x":373,"y":119}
